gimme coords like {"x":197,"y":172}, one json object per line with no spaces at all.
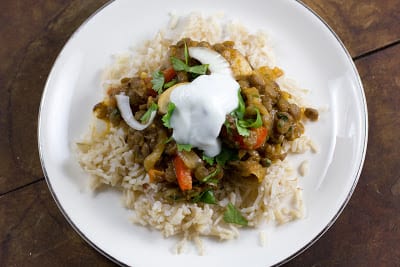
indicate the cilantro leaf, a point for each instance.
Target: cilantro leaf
{"x":209,"y":160}
{"x":179,"y":65}
{"x":208,"y":197}
{"x":198,"y":69}
{"x":242,"y":124}
{"x":228,"y":127}
{"x":158,"y":81}
{"x":205,"y":197}
{"x":239,"y":112}
{"x":226,"y":154}
{"x":186,"y":147}
{"x":251,"y":124}
{"x":211,"y":175}
{"x":241,"y":130}
{"x":146,"y":116}
{"x":232,"y":215}
{"x":167,"y":117}
{"x":186,"y":54}
{"x":170,"y":83}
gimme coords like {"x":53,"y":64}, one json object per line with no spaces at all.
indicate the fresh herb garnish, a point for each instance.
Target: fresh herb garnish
{"x":226,"y":154}
{"x":228,"y":127}
{"x":166,"y":119}
{"x":205,"y":197}
{"x":146,"y":116}
{"x":209,"y":177}
{"x":158,"y":81}
{"x":239,"y":112}
{"x":186,"y":51}
{"x":208,"y":197}
{"x":179,"y":65}
{"x":242,"y":130}
{"x":182,"y":147}
{"x":170,"y":83}
{"x":209,"y":160}
{"x":232,"y":215}
{"x":198,"y":69}
{"x":242,"y":124}
{"x":249,"y":123}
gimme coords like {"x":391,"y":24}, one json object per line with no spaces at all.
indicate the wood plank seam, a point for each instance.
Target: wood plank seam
{"x":22,"y":187}
{"x":377,"y":50}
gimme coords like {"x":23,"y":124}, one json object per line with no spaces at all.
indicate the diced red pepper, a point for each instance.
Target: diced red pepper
{"x":169,"y":74}
{"x":183,"y":174}
{"x":256,"y":139}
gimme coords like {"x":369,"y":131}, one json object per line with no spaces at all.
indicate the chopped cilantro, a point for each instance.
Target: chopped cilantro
{"x":241,"y":123}
{"x":158,"y":81}
{"x":146,"y":116}
{"x":198,"y":69}
{"x":205,"y":197}
{"x":239,"y":112}
{"x":209,"y":160}
{"x":226,"y":154}
{"x":228,"y":127}
{"x":170,"y":83}
{"x":242,"y":130}
{"x":251,"y":123}
{"x":232,"y":215}
{"x":186,"y":54}
{"x":167,"y":117}
{"x":211,"y":175}
{"x":182,"y":147}
{"x":179,"y":65}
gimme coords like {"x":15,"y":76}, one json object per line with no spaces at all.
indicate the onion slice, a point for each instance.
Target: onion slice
{"x":216,"y":62}
{"x":127,"y":115}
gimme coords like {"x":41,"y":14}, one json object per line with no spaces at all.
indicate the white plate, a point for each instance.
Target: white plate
{"x":305,"y":48}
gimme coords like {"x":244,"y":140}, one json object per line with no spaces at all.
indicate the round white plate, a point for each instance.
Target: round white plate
{"x":306,"y":49}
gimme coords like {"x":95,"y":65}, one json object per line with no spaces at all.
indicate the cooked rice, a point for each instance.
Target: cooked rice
{"x":303,"y":168}
{"x":105,"y":155}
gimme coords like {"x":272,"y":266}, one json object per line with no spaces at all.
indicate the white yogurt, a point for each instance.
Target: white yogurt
{"x":200,"y":111}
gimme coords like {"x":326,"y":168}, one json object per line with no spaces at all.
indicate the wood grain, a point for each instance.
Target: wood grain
{"x":33,"y":232}
{"x":33,"y":41}
{"x":362,"y":25}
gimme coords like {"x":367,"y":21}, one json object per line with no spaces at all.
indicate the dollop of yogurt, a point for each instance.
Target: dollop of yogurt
{"x":200,"y":110}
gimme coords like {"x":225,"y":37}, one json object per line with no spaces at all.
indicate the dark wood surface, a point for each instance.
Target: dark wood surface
{"x":33,"y":232}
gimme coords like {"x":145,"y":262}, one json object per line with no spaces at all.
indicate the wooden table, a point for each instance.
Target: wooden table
{"x":33,"y":232}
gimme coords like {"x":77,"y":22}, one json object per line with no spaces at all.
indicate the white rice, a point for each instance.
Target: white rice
{"x":105,"y":155}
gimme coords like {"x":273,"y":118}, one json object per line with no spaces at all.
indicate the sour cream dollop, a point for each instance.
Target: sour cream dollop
{"x":200,"y":110}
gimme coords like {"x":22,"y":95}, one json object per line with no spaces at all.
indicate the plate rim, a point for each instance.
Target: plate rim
{"x":288,"y":258}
